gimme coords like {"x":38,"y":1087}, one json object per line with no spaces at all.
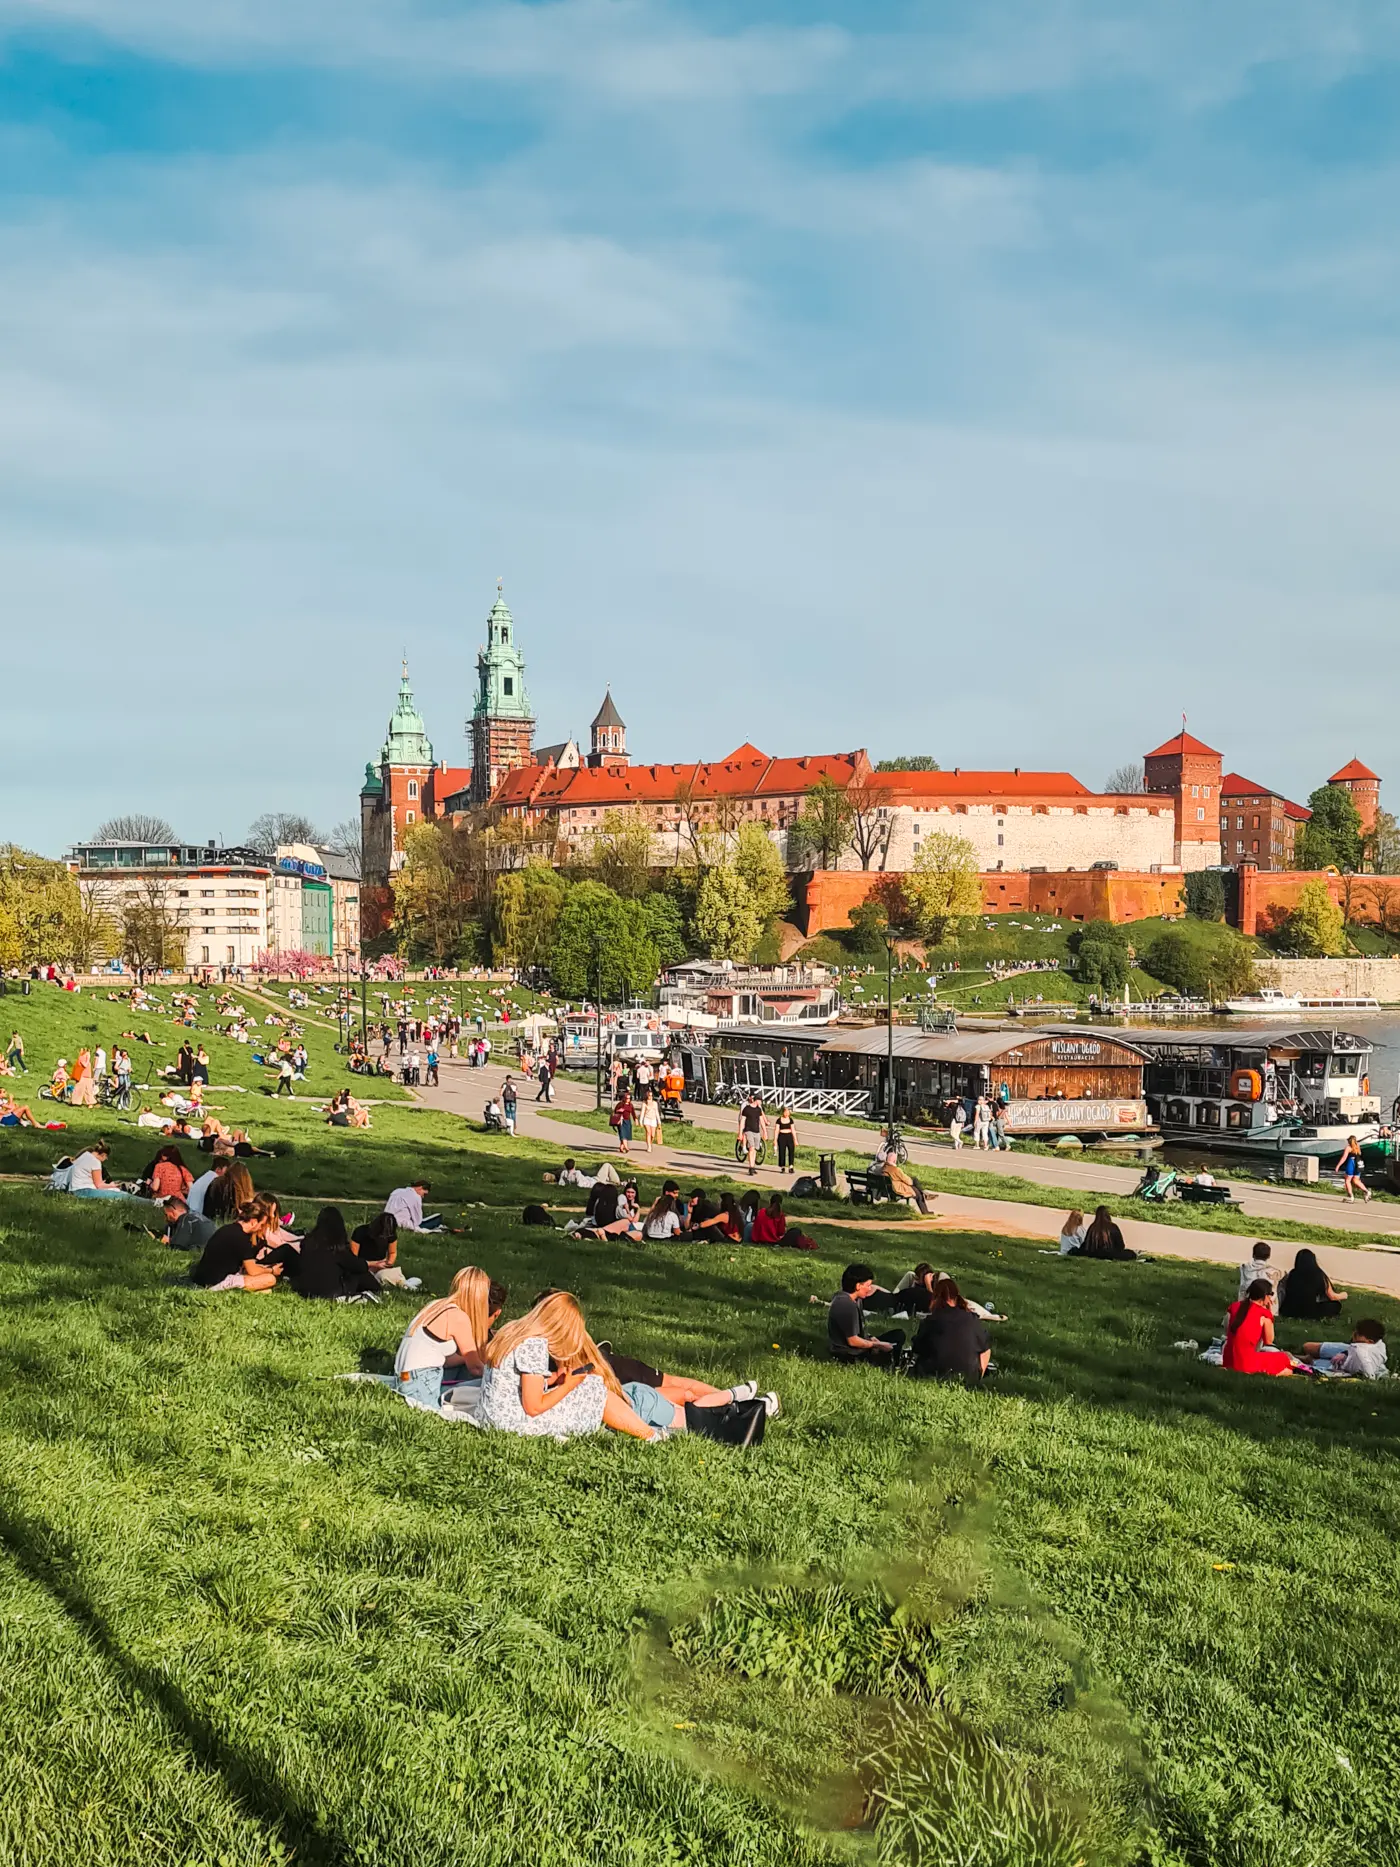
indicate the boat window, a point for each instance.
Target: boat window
{"x":1346,"y":1066}
{"x":1238,"y":1115}
{"x":1207,"y":1115}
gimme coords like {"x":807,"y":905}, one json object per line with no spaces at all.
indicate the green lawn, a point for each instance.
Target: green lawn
{"x":1119,"y":1608}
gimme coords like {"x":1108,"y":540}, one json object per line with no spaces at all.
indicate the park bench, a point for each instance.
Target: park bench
{"x":867,"y":1189}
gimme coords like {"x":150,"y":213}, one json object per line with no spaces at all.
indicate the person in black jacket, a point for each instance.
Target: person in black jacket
{"x":325,"y":1264}
{"x":951,"y":1344}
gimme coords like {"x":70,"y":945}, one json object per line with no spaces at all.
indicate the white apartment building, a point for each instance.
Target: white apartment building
{"x":215,"y":900}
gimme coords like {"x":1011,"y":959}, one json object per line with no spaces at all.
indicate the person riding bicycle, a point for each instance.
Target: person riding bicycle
{"x":753,"y":1129}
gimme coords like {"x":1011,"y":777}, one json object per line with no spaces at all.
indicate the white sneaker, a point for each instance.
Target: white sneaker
{"x":744,"y":1390}
{"x":772,"y":1405}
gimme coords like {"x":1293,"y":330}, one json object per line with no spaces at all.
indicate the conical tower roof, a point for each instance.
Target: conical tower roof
{"x":608,"y":714}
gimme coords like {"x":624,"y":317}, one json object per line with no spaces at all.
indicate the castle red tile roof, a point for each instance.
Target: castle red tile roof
{"x":746,"y":772}
{"x":959,"y":783}
{"x":449,"y":779}
{"x":1184,"y":745}
{"x":1354,"y":770}
{"x":1232,"y":786}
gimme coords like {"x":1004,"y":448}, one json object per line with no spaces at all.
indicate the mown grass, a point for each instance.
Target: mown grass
{"x":1118,"y":1608}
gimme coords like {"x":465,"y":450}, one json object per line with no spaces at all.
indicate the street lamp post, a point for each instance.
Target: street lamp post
{"x":598,"y":1028}
{"x":889,"y":1039}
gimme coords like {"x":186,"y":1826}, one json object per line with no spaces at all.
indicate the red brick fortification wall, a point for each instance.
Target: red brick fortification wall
{"x":1269,"y":896}
{"x":1082,"y":895}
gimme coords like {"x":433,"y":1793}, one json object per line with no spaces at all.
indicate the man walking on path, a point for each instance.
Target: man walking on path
{"x":753,"y":1129}
{"x":546,"y":1089}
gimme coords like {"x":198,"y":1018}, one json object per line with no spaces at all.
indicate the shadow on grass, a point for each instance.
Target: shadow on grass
{"x":252,"y":1783}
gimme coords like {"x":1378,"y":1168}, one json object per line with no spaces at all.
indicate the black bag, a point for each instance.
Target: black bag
{"x":826,"y":1168}
{"x":536,"y":1215}
{"x":804,"y":1187}
{"x":741,"y":1423}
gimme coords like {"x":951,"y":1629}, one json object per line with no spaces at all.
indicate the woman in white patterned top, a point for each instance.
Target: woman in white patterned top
{"x":521,"y":1394}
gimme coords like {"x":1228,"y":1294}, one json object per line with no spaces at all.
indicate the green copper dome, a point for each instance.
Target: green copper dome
{"x":373,"y":783}
{"x":408,"y":742}
{"x":500,"y":669}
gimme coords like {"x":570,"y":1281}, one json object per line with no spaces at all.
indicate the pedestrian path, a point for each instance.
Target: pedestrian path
{"x":463,"y":1091}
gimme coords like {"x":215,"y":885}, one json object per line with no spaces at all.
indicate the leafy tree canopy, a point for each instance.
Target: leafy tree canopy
{"x":910,"y":761}
{"x":1332,"y":840}
{"x":727,"y":921}
{"x":942,"y":888}
{"x":1205,"y":896}
{"x":601,"y":939}
{"x":1202,"y":961}
{"x":758,"y":862}
{"x":822,"y":832}
{"x":1316,"y":927}
{"x":40,"y":908}
{"x":1104,"y":954}
{"x":622,"y":854}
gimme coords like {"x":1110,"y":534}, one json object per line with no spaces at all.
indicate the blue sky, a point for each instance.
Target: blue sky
{"x":993,"y":381}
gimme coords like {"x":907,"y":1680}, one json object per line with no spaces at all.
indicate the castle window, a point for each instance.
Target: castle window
{"x":508,"y":685}
{"x":1200,"y":816}
{"x":1195,"y":790}
{"x":408,"y":816}
{"x":413,"y":787}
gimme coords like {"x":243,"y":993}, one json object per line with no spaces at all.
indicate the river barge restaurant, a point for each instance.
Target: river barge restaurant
{"x":1049,"y":1082}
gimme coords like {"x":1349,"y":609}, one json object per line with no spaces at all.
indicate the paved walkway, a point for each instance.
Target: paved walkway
{"x":464,"y":1090}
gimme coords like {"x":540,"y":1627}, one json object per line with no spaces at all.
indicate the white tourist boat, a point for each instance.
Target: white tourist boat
{"x":1272,"y":1004}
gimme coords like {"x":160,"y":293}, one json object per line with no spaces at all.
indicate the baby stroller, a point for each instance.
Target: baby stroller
{"x":1157,"y":1185}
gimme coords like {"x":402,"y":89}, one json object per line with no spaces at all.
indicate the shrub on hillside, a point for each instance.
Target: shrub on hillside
{"x":1202,"y":962}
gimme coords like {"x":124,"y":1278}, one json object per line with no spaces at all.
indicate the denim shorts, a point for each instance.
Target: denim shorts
{"x":423,"y":1388}
{"x":650,"y":1404}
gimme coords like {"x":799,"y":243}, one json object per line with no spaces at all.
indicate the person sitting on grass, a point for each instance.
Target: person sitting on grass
{"x":376,"y":1242}
{"x":1072,"y":1233}
{"x":245,"y":1150}
{"x":1103,"y":1238}
{"x":1256,"y":1269}
{"x":226,"y":1193}
{"x":87,"y":1180}
{"x":184,"y":1230}
{"x":446,"y":1341}
{"x":545,"y":1376}
{"x":1306,"y":1291}
{"x":167,"y":1174}
{"x":662,"y":1221}
{"x":237,"y":1256}
{"x":769,"y":1223}
{"x":847,"y":1335}
{"x":1249,"y":1333}
{"x":1363,"y":1356}
{"x":405,"y":1204}
{"x":951,"y":1344}
{"x":323,"y":1265}
{"x":610,"y":1214}
{"x":15,"y":1114}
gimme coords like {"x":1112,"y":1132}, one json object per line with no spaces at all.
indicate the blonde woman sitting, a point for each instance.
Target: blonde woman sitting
{"x":446,"y":1341}
{"x":522,"y":1394}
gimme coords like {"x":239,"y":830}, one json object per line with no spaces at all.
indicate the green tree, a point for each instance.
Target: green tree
{"x":870,"y":923}
{"x":942,"y":888}
{"x":727,"y":921}
{"x":916,"y":761}
{"x":40,"y":908}
{"x":665,"y":921}
{"x":758,"y":862}
{"x":598,"y":931}
{"x":1205,"y":896}
{"x":1202,"y":961}
{"x":1316,"y":928}
{"x":149,"y":936}
{"x":1105,"y":955}
{"x":622,"y":854}
{"x":430,"y":908}
{"x":821,"y":833}
{"x":525,"y":908}
{"x":1332,"y":839}
{"x":1382,"y":845}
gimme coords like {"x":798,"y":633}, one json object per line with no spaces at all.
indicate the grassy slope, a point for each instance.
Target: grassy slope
{"x":252,"y":1615}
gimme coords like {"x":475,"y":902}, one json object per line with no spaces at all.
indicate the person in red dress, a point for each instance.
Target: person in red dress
{"x":1249,"y":1328}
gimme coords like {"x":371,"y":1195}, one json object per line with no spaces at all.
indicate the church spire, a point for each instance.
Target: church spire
{"x":502,"y":727}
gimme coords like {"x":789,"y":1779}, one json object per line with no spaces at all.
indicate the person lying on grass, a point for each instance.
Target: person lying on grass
{"x":446,"y":1341}
{"x":846,"y":1333}
{"x":546,"y":1377}
{"x":1364,"y":1355}
{"x":1249,"y":1333}
{"x":15,"y":1114}
{"x":184,"y":1230}
{"x":951,"y":1344}
{"x":661,"y":1399}
{"x":238,"y":1256}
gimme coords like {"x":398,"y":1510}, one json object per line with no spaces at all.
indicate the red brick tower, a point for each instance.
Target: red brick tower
{"x":608,"y":751}
{"x":1365,"y":788}
{"x":1190,"y":771}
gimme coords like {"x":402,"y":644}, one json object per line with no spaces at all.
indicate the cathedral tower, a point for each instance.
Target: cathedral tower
{"x":501,"y":727}
{"x":609,"y":745}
